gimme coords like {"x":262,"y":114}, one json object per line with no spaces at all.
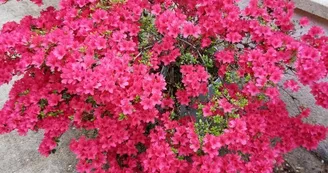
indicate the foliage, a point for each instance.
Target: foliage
{"x":164,"y":85}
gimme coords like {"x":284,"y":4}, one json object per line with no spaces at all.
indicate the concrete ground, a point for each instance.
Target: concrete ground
{"x":19,"y":154}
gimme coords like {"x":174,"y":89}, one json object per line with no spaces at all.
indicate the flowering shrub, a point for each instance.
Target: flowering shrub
{"x":164,"y":85}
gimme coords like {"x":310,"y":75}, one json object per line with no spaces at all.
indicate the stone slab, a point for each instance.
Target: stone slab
{"x":317,"y":7}
{"x":303,"y":161}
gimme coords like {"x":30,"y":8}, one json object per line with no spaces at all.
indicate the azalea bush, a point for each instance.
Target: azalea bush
{"x":164,"y":85}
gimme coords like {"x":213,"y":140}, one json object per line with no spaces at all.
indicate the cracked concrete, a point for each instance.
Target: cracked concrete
{"x":19,"y":154}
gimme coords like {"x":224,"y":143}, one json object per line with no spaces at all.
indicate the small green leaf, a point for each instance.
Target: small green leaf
{"x":122,"y":117}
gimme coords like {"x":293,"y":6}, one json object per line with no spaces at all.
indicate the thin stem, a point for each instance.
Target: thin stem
{"x":291,"y":96}
{"x":185,"y":41}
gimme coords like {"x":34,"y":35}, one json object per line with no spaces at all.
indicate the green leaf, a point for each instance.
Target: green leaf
{"x":122,"y":117}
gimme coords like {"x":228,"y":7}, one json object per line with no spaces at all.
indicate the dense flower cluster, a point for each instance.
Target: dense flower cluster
{"x":164,"y":85}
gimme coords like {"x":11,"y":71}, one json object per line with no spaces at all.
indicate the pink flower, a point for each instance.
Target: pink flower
{"x":252,"y":89}
{"x":276,"y":76}
{"x":292,"y":84}
{"x":167,"y":102}
{"x":167,"y":59}
{"x":156,"y":9}
{"x":126,"y":106}
{"x":273,"y":93}
{"x":182,"y":97}
{"x":82,"y":3}
{"x":147,"y":103}
{"x":320,"y":92}
{"x":225,"y":105}
{"x":225,"y":56}
{"x":190,"y":29}
{"x":126,"y":45}
{"x":206,"y":42}
{"x":212,"y":145}
{"x":3,"y":1}
{"x":59,"y":52}
{"x":118,"y":36}
{"x":207,"y":110}
{"x":99,"y":15}
{"x":304,"y":21}
{"x":316,"y":31}
{"x":233,"y":37}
